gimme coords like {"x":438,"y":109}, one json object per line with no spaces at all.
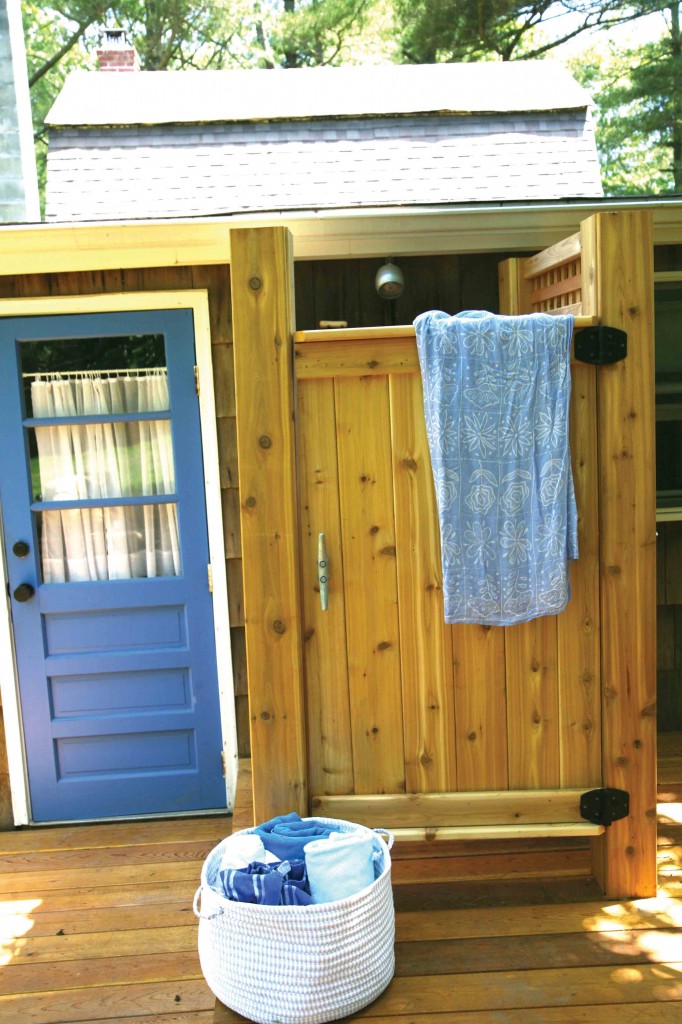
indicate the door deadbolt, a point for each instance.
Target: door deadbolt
{"x":20,"y":549}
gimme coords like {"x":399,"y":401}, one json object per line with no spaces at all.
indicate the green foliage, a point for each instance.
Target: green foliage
{"x":315,"y":33}
{"x":430,"y":31}
{"x":638,"y":92}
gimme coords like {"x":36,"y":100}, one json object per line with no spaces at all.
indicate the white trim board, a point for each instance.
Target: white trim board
{"x":63,"y":247}
{"x":197,"y":301}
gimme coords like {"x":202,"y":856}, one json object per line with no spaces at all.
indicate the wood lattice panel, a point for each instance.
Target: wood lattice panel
{"x":554,"y":278}
{"x":557,"y":288}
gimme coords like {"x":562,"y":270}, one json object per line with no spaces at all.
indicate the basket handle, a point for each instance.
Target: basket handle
{"x":385,"y":834}
{"x":197,"y":909}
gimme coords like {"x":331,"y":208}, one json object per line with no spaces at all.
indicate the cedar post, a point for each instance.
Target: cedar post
{"x":262,"y":312}
{"x":617,"y":272}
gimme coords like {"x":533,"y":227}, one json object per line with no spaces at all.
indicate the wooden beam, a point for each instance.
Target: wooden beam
{"x":437,"y":810}
{"x":52,"y":249}
{"x":475,"y":833}
{"x":620,"y":248}
{"x":356,"y":358}
{"x":355,"y":334}
{"x":384,"y":335}
{"x":562,"y":252}
{"x":513,"y":289}
{"x":361,"y":352}
{"x":262,"y":313}
{"x":242,"y":813}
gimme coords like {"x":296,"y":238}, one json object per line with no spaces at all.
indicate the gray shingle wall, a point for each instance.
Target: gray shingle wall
{"x":175,"y":170}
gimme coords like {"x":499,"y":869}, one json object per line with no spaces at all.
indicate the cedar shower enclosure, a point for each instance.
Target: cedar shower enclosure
{"x":375,"y":710}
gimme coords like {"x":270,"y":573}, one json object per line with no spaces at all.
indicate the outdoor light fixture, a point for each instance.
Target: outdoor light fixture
{"x":389,"y":281}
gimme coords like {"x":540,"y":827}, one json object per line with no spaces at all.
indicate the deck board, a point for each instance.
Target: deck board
{"x":96,"y":927}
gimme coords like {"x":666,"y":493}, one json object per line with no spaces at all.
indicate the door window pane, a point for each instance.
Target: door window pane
{"x":111,"y":543}
{"x":111,"y":359}
{"x":84,"y":378}
{"x":102,"y":460}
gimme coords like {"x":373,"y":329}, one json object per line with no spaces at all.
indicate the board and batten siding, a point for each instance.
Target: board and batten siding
{"x":216,"y":280}
{"x":343,"y":290}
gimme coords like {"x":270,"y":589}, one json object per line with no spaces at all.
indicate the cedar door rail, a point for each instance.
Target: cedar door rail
{"x":385,"y":349}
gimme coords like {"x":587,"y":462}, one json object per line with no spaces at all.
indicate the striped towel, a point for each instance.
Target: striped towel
{"x":273,"y":885}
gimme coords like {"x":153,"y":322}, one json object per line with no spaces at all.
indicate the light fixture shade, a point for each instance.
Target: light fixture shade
{"x":389,"y":281}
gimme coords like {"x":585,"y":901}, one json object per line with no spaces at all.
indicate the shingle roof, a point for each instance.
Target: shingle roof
{"x":126,"y":168}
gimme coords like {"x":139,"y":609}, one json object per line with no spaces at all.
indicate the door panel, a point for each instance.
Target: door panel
{"x":460,"y":708}
{"x":480,"y":707}
{"x":115,"y":655}
{"x":328,"y":707}
{"x":578,"y":628}
{"x":425,"y":640}
{"x":370,"y":583}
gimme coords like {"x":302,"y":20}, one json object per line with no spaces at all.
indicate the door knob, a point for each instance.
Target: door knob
{"x":24,"y":592}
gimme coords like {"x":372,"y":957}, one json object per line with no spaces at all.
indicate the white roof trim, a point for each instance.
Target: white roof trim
{"x":331,"y":234}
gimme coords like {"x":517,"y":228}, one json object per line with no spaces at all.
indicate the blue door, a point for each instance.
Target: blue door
{"x":104,"y":522}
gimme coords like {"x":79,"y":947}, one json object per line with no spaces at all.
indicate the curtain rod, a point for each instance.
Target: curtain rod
{"x":56,"y":374}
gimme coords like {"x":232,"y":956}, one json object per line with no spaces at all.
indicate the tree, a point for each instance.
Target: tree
{"x":316,"y":33}
{"x":430,"y":31}
{"x":638,"y":92}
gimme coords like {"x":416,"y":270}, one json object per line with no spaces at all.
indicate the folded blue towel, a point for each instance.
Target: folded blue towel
{"x":271,"y":885}
{"x":287,"y":834}
{"x":340,"y":865}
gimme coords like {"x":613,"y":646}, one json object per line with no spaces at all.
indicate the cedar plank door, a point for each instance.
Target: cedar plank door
{"x":429,"y":729}
{"x":397,"y":701}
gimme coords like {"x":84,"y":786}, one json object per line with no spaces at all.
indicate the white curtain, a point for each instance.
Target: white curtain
{"x":106,"y":460}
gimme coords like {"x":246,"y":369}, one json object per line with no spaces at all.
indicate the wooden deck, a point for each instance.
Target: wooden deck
{"x":96,"y":925}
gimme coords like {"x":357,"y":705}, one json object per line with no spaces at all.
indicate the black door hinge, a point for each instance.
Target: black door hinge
{"x":600,"y":345}
{"x":603,"y":806}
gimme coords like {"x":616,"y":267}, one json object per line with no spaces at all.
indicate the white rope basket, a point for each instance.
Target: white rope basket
{"x":299,"y":964}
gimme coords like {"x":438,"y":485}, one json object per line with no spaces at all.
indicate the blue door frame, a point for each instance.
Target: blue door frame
{"x":117,"y":678}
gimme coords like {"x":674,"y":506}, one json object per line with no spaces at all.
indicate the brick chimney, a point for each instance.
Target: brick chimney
{"x":116,"y":53}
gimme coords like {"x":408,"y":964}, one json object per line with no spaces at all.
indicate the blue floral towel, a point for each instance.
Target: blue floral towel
{"x":496,"y":393}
